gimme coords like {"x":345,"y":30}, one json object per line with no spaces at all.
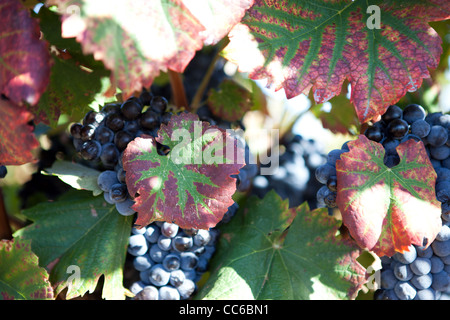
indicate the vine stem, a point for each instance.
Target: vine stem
{"x":178,"y":92}
{"x":5,"y":228}
{"x":196,"y":100}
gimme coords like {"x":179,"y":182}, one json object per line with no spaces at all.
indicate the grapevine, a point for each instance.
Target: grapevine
{"x":217,"y":150}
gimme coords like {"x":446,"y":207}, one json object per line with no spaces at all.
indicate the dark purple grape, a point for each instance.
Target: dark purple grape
{"x":182,"y":244}
{"x":438,"y":136}
{"x":397,"y":128}
{"x":110,"y":155}
{"x":159,"y":104}
{"x":75,"y":130}
{"x":3,"y":171}
{"x":132,"y":126}
{"x":149,"y":120}
{"x":90,"y":150}
{"x":420,"y":128}
{"x":413,"y":112}
{"x":393,"y":112}
{"x":122,"y":138}
{"x":93,"y":118}
{"x":110,"y":109}
{"x":115,"y":122}
{"x":121,"y":175}
{"x":131,"y":109}
{"x":87,"y":132}
{"x":374,"y":133}
{"x":332,"y":183}
{"x":165,"y":117}
{"x":104,"y":135}
{"x":145,"y":97}
{"x":119,"y":192}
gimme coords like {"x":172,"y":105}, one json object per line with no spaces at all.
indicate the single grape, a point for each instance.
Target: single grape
{"x":149,"y":120}
{"x":404,"y":290}
{"x":186,"y":289}
{"x":420,"y":128}
{"x":177,"y":277}
{"x":152,"y":233}
{"x":158,"y":276}
{"x":393,"y":112}
{"x":75,"y":130}
{"x":3,"y":171}
{"x":142,"y":262}
{"x":159,"y":104}
{"x":374,"y":133}
{"x":115,"y":122}
{"x":106,"y":179}
{"x":119,"y":192}
{"x":188,"y":260}
{"x":413,"y":112}
{"x":438,"y":136}
{"x":104,"y":135}
{"x":421,"y":266}
{"x":397,"y":128}
{"x":87,"y":132}
{"x":90,"y":150}
{"x":131,"y":109}
{"x":122,"y":138}
{"x":182,"y":244}
{"x":147,"y":293}
{"x":407,"y":256}
{"x":110,"y":155}
{"x":202,"y":238}
{"x":164,"y":243}
{"x":388,"y":279}
{"x":171,"y":262}
{"x":125,"y":207}
{"x":137,"y":245}
{"x":403,"y":272}
{"x":168,"y":293}
{"x":169,"y":229}
{"x":157,"y":254}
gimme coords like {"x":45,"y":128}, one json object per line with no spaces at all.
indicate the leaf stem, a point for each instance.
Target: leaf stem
{"x":5,"y":228}
{"x":196,"y":100}
{"x":178,"y":92}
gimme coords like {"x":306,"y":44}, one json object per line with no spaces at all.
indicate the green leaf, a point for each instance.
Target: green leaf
{"x":269,"y":251}
{"x":75,"y":78}
{"x":305,"y":46}
{"x":230,"y":101}
{"x":20,"y":275}
{"x":80,"y":235}
{"x":388,"y":209}
{"x":76,"y":175}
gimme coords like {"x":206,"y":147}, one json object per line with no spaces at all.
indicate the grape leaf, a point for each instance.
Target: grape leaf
{"x":25,"y":60}
{"x":191,"y":186}
{"x":304,"y":46}
{"x":230,"y":101}
{"x":136,"y":39}
{"x":20,"y":275}
{"x":75,"y":78}
{"x":76,"y":175}
{"x":269,"y":251}
{"x":17,"y":139}
{"x":388,"y":209}
{"x":84,"y":233}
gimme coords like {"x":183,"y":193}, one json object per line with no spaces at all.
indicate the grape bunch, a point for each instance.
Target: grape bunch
{"x":396,"y":126}
{"x":170,"y":260}
{"x":294,"y":177}
{"x":101,"y":138}
{"x":419,"y":273}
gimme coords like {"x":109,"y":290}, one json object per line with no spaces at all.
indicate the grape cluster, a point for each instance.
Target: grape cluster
{"x":170,"y":260}
{"x":396,"y":126}
{"x":419,"y":273}
{"x":101,"y":138}
{"x":294,"y":177}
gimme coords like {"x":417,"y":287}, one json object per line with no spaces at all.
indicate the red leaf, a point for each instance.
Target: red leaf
{"x":183,"y":187}
{"x":17,"y":139}
{"x":25,"y":60}
{"x":388,"y":209}
{"x":301,"y":46}
{"x":137,"y":39}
